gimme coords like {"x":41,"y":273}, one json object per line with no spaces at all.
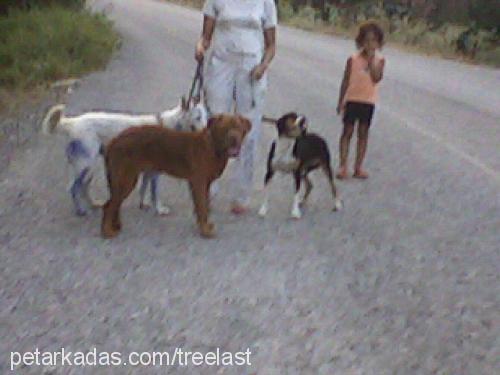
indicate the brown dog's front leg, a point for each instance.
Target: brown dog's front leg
{"x":108,"y":225}
{"x":199,"y":192}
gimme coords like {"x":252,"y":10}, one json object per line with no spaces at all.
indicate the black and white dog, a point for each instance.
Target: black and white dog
{"x":297,"y":152}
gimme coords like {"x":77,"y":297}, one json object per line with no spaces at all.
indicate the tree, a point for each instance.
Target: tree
{"x":486,"y":13}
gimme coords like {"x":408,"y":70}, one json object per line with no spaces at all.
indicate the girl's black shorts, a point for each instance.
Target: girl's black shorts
{"x":355,"y":111}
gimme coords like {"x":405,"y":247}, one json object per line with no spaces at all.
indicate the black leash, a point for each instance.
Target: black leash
{"x":269,"y":120}
{"x":197,"y":84}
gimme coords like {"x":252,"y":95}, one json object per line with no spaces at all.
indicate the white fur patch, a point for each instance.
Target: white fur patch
{"x":296,"y":212}
{"x":161,"y":209}
{"x":283,"y":160}
{"x":338,"y":204}
{"x":263,"y":209}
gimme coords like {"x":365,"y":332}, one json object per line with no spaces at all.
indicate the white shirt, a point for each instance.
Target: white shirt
{"x":240,"y":25}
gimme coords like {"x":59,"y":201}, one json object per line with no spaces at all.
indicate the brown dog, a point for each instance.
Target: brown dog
{"x":198,"y":157}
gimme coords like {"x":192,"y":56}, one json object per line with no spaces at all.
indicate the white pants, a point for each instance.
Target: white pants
{"x":227,"y":82}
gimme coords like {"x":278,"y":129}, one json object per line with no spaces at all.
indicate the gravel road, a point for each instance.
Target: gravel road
{"x":404,"y":280}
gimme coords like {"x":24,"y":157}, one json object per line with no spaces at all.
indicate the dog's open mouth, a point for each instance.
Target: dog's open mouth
{"x":233,"y":152}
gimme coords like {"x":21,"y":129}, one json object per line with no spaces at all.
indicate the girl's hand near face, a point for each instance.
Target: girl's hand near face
{"x":376,"y":68}
{"x":370,"y":53}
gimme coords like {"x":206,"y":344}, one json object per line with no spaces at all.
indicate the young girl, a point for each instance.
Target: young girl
{"x":358,"y":95}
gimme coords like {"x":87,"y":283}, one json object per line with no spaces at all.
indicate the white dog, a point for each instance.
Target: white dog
{"x":90,"y":132}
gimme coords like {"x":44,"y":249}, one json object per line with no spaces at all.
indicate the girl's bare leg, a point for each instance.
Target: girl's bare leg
{"x":363,"y":129}
{"x":345,"y":139}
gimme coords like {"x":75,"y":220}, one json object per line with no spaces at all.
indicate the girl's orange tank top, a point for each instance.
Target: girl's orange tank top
{"x":361,"y":87}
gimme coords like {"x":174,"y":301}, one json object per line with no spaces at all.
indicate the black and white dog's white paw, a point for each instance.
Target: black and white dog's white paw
{"x":263,"y":210}
{"x":339,"y":204}
{"x":296,"y":212}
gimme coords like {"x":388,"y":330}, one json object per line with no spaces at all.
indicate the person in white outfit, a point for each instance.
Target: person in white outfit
{"x":240,"y":37}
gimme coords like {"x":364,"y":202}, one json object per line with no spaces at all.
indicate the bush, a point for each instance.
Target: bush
{"x":486,"y":14}
{"x":5,"y":5}
{"x":490,"y":56}
{"x":47,"y":44}
{"x":285,"y":10}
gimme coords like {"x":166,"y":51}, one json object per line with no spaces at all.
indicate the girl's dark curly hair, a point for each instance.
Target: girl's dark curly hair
{"x":367,"y":27}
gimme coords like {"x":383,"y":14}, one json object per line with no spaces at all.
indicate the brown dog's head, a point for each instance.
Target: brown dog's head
{"x":228,"y":132}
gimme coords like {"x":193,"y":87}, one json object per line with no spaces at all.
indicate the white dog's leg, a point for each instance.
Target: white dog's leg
{"x":86,"y":192}
{"x":155,"y":201}
{"x":81,"y":155}
{"x":92,"y":203}
{"x":214,"y":189}
{"x":161,"y":209}
{"x":145,"y":178}
{"x":77,"y":191}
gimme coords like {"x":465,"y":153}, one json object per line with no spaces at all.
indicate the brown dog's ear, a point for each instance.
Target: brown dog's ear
{"x":218,"y":134}
{"x":246,"y":123}
{"x":212,"y":120}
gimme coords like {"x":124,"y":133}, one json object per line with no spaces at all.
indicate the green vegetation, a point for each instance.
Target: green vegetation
{"x":43,"y":44}
{"x":8,"y":5}
{"x":468,"y":32}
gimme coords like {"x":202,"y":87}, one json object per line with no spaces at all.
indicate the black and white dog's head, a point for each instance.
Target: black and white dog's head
{"x":291,"y":125}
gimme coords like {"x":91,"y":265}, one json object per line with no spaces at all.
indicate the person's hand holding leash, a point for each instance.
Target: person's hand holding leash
{"x":199,"y":51}
{"x":205,"y":39}
{"x":258,"y":71}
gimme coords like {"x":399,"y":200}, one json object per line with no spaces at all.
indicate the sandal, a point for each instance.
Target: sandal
{"x":360,"y":173}
{"x":238,"y":209}
{"x":342,"y":173}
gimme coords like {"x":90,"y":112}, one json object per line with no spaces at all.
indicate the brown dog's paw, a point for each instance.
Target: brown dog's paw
{"x":117,"y":227}
{"x":207,"y":230}
{"x":109,"y":232}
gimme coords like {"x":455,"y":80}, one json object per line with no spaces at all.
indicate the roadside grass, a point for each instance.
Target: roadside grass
{"x":412,"y":35}
{"x":43,"y":45}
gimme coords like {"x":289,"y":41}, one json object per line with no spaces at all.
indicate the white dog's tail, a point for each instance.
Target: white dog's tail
{"x":54,"y":120}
